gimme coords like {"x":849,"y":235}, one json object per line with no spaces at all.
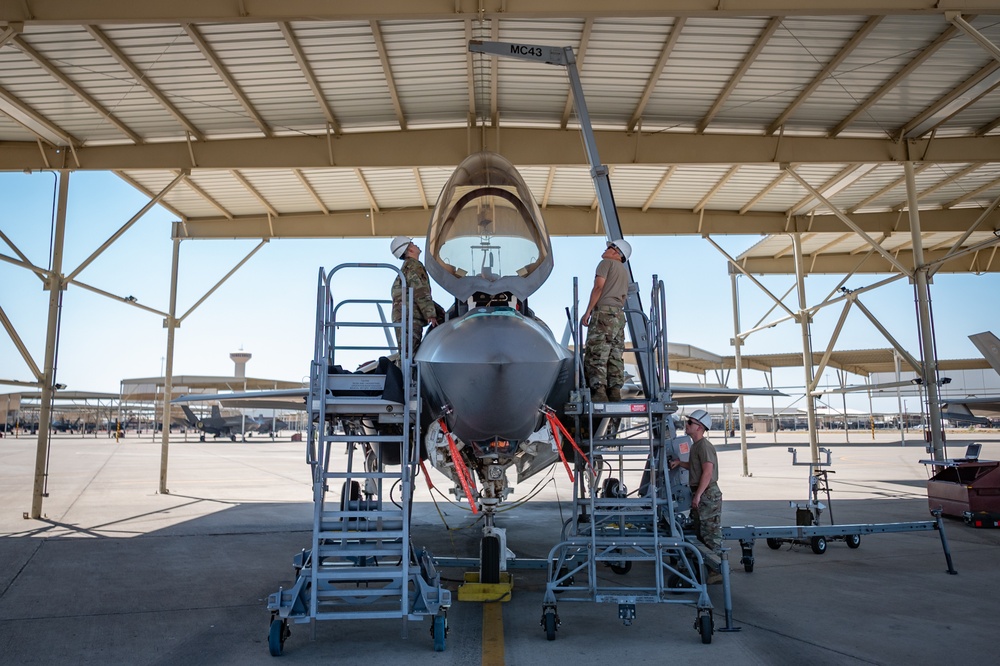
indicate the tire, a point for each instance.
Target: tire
{"x":490,"y":562}
{"x":276,"y":637}
{"x":621,"y":569}
{"x":440,"y":632}
{"x":774,"y":544}
{"x":853,"y":540}
{"x":748,"y":564}
{"x":705,"y":628}
{"x":818,"y":544}
{"x":549,"y":619}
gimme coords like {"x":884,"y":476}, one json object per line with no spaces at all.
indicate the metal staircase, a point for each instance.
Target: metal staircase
{"x":361,"y":564}
{"x":626,"y":505}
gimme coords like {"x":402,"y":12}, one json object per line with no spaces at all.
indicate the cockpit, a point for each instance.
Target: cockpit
{"x":486,"y":233}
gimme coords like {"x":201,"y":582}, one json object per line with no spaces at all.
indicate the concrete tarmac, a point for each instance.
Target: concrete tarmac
{"x":117,"y":573}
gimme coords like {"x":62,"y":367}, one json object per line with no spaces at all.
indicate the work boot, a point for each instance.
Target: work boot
{"x":614,"y":394}
{"x":598,"y":395}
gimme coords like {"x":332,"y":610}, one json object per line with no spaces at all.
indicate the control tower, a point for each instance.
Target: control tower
{"x":240,"y":358}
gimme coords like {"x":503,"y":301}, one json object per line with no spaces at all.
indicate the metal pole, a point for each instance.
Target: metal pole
{"x":168,"y":373}
{"x":842,"y":380}
{"x":899,"y":401}
{"x":737,"y":344}
{"x":922,"y":288}
{"x":55,"y":285}
{"x":807,"y":356}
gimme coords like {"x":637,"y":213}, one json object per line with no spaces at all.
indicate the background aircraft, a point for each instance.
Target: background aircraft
{"x":216,"y":425}
{"x":978,"y":409}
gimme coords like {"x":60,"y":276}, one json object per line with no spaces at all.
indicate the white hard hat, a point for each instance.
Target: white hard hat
{"x":702,"y":417}
{"x":622,"y":246}
{"x":398,"y":246}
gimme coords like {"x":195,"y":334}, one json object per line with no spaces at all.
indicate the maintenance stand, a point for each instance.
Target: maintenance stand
{"x":361,"y":564}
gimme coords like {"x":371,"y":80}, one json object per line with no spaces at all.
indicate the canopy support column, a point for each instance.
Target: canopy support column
{"x":54,"y":284}
{"x":738,"y":344}
{"x":805,"y":319}
{"x":921,"y":286}
{"x":171,"y":324}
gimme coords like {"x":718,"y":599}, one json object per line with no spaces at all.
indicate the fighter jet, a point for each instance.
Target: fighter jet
{"x":495,"y":381}
{"x":216,"y":425}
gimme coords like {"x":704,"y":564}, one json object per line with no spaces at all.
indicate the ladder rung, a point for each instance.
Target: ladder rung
{"x":352,"y":549}
{"x":373,"y":535}
{"x":359,"y":615}
{"x":394,"y":439}
{"x":360,"y":574}
{"x":371,"y":515}
{"x":362,"y":475}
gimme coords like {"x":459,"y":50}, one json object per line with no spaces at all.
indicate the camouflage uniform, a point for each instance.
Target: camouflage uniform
{"x":424,"y":307}
{"x":707,"y":516}
{"x":602,"y":363}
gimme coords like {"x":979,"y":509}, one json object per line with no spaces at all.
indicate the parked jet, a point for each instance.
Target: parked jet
{"x":216,"y":425}
{"x":978,"y":409}
{"x":492,"y":369}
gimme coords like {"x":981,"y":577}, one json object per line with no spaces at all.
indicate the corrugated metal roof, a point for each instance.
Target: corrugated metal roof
{"x":808,"y":70}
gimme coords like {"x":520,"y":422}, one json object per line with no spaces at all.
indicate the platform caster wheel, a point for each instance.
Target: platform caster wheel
{"x":490,"y":561}
{"x":705,"y":628}
{"x":276,"y":636}
{"x":675,"y":582}
{"x":818,"y":544}
{"x":853,"y":540}
{"x":566,"y":581}
{"x":440,"y":632}
{"x":621,"y":568}
{"x":549,"y":622}
{"x":748,"y":564}
{"x":774,"y":544}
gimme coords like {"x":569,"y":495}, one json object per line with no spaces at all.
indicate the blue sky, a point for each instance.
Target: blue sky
{"x":268,"y":306}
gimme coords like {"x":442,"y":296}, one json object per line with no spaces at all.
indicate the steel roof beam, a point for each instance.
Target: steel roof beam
{"x":941,"y":183}
{"x":141,"y":79}
{"x":524,"y":147}
{"x":974,"y":193}
{"x":572,"y":221}
{"x":906,"y":70}
{"x":310,"y":76}
{"x":35,"y":122}
{"x":311,"y":190}
{"x":581,"y":53}
{"x":839,"y":263}
{"x":149,"y":193}
{"x":383,"y":57}
{"x":885,"y":190}
{"x":206,"y":50}
{"x":826,"y":72}
{"x":68,"y":83}
{"x":197,"y":189}
{"x":851,"y":224}
{"x":654,"y":76}
{"x":256,"y":194}
{"x":177,"y":11}
{"x":961,"y":97}
{"x":737,"y":76}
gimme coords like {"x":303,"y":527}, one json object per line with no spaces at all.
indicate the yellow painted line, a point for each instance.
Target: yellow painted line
{"x":493,"y":634}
